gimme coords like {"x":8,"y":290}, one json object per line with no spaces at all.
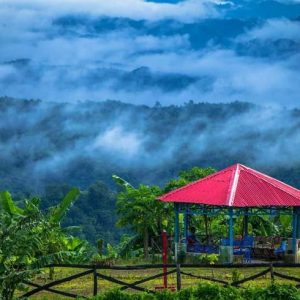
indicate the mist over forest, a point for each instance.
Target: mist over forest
{"x":48,"y":147}
{"x":192,"y":83}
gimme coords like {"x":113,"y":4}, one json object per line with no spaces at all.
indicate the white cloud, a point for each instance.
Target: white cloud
{"x":59,"y":61}
{"x":119,"y":140}
{"x":274,"y":29}
{"x":187,"y":11}
{"x":234,"y":77}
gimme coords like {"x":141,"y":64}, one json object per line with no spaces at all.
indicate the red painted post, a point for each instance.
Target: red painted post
{"x":165,"y":256}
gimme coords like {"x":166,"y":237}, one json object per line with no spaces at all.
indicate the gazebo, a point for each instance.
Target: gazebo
{"x":239,"y":191}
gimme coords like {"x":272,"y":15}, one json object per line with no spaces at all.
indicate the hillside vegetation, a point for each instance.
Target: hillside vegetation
{"x":46,"y":148}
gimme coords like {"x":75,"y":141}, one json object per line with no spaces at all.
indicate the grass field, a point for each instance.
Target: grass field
{"x":84,"y":285}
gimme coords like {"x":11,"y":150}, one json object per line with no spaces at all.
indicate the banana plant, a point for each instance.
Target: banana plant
{"x":9,"y":205}
{"x":122,"y":182}
{"x":30,"y":240}
{"x":58,"y":212}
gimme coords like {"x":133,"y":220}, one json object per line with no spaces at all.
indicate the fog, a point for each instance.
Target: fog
{"x":156,"y":57}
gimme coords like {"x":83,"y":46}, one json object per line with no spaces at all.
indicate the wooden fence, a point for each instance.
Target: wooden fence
{"x":95,"y":270}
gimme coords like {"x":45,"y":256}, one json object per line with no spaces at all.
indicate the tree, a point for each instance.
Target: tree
{"x":96,"y":211}
{"x":139,"y":210}
{"x":187,"y":176}
{"x":30,"y":240}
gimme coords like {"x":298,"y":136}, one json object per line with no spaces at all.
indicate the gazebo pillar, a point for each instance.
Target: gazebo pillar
{"x":186,"y":222}
{"x":231,"y":233}
{"x":294,"y":233}
{"x":246,"y":221}
{"x":176,"y":205}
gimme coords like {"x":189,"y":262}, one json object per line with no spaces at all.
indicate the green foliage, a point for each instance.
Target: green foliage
{"x":272,"y":292}
{"x":9,"y":205}
{"x":24,"y":246}
{"x":164,"y":295}
{"x":59,"y":211}
{"x":109,"y":258}
{"x":236,"y":275}
{"x":207,"y":291}
{"x":123,"y":183}
{"x":203,"y":258}
{"x":185,"y":294}
{"x":118,"y":295}
{"x":139,"y":210}
{"x":196,"y":173}
{"x":188,"y":176}
{"x":209,"y":258}
{"x":94,"y":211}
{"x":100,"y":246}
{"x":30,"y":240}
{"x":126,"y":247}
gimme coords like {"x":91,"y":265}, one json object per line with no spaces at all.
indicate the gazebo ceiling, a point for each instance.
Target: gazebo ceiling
{"x":236,"y":186}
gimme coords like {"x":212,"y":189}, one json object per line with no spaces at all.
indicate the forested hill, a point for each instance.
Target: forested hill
{"x":46,"y":147}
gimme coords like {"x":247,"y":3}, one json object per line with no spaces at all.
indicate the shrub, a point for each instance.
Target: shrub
{"x":272,"y":292}
{"x":165,"y":295}
{"x":118,"y":295}
{"x":149,"y":297}
{"x":236,"y":275}
{"x":207,"y":291}
{"x":185,"y":294}
{"x":209,"y":258}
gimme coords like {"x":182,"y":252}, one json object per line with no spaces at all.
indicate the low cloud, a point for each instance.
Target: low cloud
{"x":273,"y":30}
{"x":62,"y":142}
{"x":186,"y":11}
{"x":117,"y":140}
{"x":145,"y":62}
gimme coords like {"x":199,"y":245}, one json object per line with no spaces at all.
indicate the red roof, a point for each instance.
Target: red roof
{"x":236,"y":186}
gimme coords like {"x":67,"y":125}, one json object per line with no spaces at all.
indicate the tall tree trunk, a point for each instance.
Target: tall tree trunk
{"x":146,"y":243}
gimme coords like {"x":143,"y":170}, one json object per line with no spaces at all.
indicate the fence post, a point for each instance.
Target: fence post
{"x":272,"y":273}
{"x":95,"y":291}
{"x":178,"y":277}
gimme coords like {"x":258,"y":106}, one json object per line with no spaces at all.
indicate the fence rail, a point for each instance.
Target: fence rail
{"x":95,"y":270}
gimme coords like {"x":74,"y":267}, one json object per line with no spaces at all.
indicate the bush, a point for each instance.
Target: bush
{"x":272,"y":292}
{"x":185,"y":294}
{"x":209,"y":258}
{"x":192,"y":258}
{"x":118,"y":295}
{"x":207,"y":291}
{"x":165,"y":295}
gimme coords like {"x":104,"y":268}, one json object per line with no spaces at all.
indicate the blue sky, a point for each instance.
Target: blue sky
{"x":146,"y":51}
